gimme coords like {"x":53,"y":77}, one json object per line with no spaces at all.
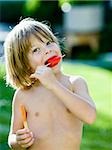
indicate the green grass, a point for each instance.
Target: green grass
{"x":95,"y":137}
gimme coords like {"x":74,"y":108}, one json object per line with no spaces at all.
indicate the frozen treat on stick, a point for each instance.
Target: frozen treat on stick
{"x":24,"y":116}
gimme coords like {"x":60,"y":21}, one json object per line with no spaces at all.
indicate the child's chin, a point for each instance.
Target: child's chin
{"x":56,"y":67}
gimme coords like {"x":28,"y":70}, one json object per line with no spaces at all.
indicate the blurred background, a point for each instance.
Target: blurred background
{"x":84,"y":28}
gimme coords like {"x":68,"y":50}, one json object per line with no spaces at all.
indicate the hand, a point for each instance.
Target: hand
{"x":45,"y":75}
{"x":24,"y":138}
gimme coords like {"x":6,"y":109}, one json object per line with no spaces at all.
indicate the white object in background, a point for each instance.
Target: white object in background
{"x":87,"y":18}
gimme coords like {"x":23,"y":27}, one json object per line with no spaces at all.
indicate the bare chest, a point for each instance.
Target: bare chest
{"x":51,"y":122}
{"x":47,"y":115}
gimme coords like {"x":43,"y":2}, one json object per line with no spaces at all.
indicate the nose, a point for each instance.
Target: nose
{"x":47,"y":51}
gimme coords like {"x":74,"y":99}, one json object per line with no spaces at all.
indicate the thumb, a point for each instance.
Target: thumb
{"x":32,"y":76}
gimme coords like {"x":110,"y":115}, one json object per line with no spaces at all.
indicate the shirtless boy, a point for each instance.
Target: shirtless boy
{"x":57,"y":105}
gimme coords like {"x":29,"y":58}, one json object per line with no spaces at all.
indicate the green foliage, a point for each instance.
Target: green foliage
{"x":6,"y":94}
{"x":31,"y":6}
{"x":35,"y":4}
{"x":80,"y":2}
{"x":2,"y":71}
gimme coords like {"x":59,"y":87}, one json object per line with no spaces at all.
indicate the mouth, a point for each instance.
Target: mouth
{"x":53,"y":61}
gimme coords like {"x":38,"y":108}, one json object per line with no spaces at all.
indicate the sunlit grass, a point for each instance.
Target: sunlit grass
{"x":95,"y":137}
{"x":2,"y":72}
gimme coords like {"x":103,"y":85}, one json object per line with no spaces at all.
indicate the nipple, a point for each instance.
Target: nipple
{"x":36,"y":114}
{"x":68,"y":110}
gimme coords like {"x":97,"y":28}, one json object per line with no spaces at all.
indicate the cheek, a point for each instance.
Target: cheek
{"x":59,"y":52}
{"x":34,"y":62}
{"x":57,"y":48}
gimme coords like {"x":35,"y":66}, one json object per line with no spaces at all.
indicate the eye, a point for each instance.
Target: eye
{"x":49,"y":42}
{"x":36,"y":50}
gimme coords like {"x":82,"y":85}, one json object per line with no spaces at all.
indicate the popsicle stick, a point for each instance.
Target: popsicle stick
{"x":63,"y":56}
{"x":23,"y":114}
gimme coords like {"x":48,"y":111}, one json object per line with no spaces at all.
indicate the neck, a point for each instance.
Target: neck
{"x":58,"y":75}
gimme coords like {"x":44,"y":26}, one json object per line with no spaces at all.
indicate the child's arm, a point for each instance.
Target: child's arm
{"x":78,"y":102}
{"x":19,"y":137}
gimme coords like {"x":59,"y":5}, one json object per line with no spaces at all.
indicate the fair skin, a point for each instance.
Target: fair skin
{"x":56,"y":108}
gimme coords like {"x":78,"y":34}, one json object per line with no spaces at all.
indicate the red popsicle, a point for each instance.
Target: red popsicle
{"x":23,"y":113}
{"x":53,"y":61}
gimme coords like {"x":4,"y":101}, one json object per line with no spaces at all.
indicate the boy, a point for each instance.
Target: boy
{"x":56,"y":104}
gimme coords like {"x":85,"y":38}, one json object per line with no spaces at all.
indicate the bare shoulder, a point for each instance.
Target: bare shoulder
{"x":18,"y":96}
{"x":80,"y":87}
{"x":75,"y":78}
{"x":79,"y":83}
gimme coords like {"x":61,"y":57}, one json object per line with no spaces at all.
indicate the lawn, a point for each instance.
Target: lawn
{"x":95,"y":137}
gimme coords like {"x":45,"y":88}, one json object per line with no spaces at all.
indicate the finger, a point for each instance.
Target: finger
{"x":28,"y":144}
{"x":25,"y":141}
{"x":36,"y":74}
{"x":22,"y":137}
{"x":32,"y":76}
{"x":22,"y":131}
{"x":42,"y":68}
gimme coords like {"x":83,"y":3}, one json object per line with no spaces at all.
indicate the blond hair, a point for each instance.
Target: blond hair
{"x":17,"y":46}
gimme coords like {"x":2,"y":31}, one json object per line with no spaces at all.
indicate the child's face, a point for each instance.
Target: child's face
{"x":41,"y":51}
